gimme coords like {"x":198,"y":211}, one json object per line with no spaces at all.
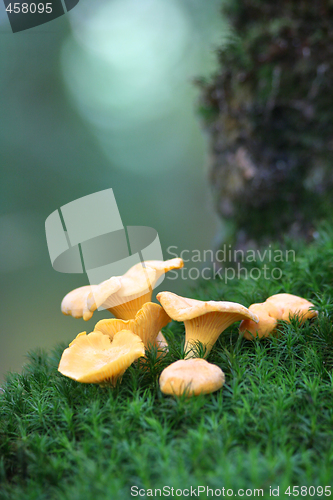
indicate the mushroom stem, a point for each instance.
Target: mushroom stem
{"x":206,"y":329}
{"x":128,"y":310}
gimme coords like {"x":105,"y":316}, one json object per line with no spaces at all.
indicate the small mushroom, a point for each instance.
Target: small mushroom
{"x":95,"y":359}
{"x":147,"y":323}
{"x":191,"y":377}
{"x":277,"y":307}
{"x":268,"y":316}
{"x":161,"y":345}
{"x":161,"y":342}
{"x":204,"y":321}
{"x":291,"y":305}
{"x":123,"y":295}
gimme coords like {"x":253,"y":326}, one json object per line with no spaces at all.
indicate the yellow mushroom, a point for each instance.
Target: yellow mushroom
{"x":191,"y":377}
{"x":123,"y":295}
{"x":292,"y":305}
{"x":204,"y":321}
{"x":147,"y":323}
{"x":277,"y":307}
{"x":161,"y":342}
{"x":135,"y":290}
{"x":75,"y":303}
{"x":268,"y":316}
{"x":96,"y":359}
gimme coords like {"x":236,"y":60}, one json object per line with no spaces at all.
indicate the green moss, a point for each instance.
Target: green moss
{"x":271,"y":425}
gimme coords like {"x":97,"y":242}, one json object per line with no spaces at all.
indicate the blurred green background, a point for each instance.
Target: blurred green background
{"x":100,"y":98}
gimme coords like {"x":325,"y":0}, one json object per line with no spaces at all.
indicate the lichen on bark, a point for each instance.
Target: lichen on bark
{"x":269,"y":113}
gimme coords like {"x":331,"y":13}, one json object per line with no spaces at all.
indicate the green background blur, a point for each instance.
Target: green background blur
{"x":102,"y":97}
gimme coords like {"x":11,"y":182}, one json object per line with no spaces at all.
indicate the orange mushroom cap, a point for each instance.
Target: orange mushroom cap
{"x":204,"y":321}
{"x":137,"y":286}
{"x":75,"y":303}
{"x":268,"y":316}
{"x":147,"y":323}
{"x":292,"y":305}
{"x":123,"y":295}
{"x":135,"y":289}
{"x":277,"y":307}
{"x":191,"y":377}
{"x":95,"y":359}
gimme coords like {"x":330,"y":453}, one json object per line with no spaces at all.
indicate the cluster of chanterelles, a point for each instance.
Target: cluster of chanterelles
{"x":103,"y":355}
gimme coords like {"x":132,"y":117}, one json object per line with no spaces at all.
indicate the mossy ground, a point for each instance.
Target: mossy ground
{"x":271,"y":425}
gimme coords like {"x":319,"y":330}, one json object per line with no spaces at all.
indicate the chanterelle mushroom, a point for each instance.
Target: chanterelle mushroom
{"x":191,"y":376}
{"x":123,"y":295}
{"x":75,"y":303}
{"x":95,"y":359}
{"x":268,"y":316}
{"x":291,"y":305}
{"x":204,"y":321}
{"x":161,"y":342}
{"x":277,"y":307}
{"x":147,"y":323}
